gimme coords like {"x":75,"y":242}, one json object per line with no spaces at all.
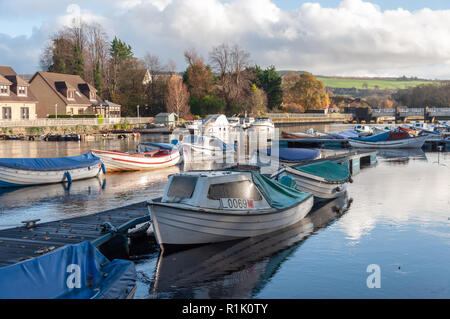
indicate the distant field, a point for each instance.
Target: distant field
{"x":383,"y":84}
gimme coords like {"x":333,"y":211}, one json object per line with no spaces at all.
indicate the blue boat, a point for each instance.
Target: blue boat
{"x":72,"y":272}
{"x":16,"y":172}
{"x":289,"y":154}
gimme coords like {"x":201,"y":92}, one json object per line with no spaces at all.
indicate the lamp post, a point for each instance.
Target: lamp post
{"x":137,"y":106}
{"x":56,"y":110}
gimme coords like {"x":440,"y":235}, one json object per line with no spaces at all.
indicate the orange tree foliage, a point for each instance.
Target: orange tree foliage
{"x":302,"y":92}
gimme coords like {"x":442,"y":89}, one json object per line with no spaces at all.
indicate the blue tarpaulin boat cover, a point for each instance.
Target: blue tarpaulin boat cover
{"x":294,"y":154}
{"x":51,"y":164}
{"x":374,"y":138}
{"x":278,"y":195}
{"x":346,"y":134}
{"x":72,"y":272}
{"x":148,"y":147}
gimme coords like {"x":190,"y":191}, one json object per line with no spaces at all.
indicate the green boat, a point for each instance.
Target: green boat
{"x":323,"y":179}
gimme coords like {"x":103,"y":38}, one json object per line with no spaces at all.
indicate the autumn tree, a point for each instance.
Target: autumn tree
{"x":304,"y":92}
{"x":198,"y":76}
{"x":177,"y":96}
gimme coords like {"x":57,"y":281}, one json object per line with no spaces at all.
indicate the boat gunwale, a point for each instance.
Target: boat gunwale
{"x":220,"y":212}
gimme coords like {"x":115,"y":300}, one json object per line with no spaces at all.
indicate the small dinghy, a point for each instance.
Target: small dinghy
{"x":324,"y":180}
{"x":286,"y":155}
{"x":148,"y":156}
{"x":200,"y":207}
{"x":71,"y":272}
{"x":390,"y":139}
{"x":15,"y":172}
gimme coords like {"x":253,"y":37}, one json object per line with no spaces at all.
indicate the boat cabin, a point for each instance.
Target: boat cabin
{"x":220,"y":190}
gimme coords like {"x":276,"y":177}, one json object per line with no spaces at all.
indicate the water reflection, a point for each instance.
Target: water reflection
{"x":401,"y":155}
{"x":237,"y":269}
{"x":58,"y":201}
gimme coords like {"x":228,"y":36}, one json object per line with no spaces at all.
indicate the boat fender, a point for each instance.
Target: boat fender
{"x":103,"y":168}
{"x":350,"y":179}
{"x":68,"y":177}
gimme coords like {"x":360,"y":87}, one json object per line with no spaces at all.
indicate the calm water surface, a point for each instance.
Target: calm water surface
{"x":396,"y":215}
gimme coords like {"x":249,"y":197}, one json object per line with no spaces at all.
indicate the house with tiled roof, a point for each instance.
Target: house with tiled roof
{"x":17,"y":101}
{"x":66,"y":94}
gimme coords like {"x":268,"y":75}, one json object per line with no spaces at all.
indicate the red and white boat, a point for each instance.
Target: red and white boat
{"x":148,"y":156}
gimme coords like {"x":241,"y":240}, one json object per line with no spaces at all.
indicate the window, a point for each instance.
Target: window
{"x":21,"y":90}
{"x":24,"y":113}
{"x":70,"y":94}
{"x":182,"y":186}
{"x":92,"y":95}
{"x":6,"y":113}
{"x":3,"y":89}
{"x":242,"y":189}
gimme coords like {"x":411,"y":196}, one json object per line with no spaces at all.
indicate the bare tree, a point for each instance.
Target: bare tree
{"x":178,"y":96}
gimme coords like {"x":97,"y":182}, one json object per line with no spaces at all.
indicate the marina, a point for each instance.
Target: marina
{"x":111,"y":212}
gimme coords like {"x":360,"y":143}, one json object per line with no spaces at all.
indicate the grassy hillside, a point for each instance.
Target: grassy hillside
{"x":383,"y":84}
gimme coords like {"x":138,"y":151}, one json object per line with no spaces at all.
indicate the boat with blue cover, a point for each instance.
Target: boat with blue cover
{"x":200,"y":207}
{"x":323,"y":179}
{"x":15,"y":172}
{"x":390,"y":139}
{"x":71,"y":272}
{"x":286,"y":155}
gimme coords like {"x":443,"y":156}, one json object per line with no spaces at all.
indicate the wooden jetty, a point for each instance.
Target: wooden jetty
{"x":21,"y":243}
{"x":354,"y":160}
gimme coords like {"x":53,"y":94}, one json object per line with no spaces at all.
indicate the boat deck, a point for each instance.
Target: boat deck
{"x":18,"y":244}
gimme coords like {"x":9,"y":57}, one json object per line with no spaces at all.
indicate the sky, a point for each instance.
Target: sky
{"x":324,"y":37}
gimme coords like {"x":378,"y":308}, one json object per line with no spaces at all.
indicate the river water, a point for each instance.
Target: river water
{"x":396,"y":216}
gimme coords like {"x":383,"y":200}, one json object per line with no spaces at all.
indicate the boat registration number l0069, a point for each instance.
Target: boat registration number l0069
{"x":237,"y":203}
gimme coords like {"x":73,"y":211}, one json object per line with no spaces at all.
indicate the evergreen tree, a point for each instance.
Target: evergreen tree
{"x":78,"y":61}
{"x":98,"y":79}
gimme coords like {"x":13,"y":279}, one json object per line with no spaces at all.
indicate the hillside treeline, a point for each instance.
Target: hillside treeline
{"x":436,"y":95}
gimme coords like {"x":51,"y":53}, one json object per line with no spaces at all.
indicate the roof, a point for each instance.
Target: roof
{"x":6,"y":70}
{"x":9,"y":77}
{"x":4,"y":80}
{"x":58,"y":80}
{"x":107,"y":103}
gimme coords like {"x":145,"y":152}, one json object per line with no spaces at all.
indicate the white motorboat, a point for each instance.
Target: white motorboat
{"x":263,"y":127}
{"x":202,"y":147}
{"x":323,"y":179}
{"x":201,"y":207}
{"x":147,"y":156}
{"x":362,"y":129}
{"x":36,"y":171}
{"x":216,"y":125}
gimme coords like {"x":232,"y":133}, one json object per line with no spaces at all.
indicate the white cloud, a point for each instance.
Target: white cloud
{"x":355,"y":38}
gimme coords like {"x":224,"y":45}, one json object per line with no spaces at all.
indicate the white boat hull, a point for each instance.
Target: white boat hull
{"x":320,"y":189}
{"x":193,"y":152}
{"x":415,"y":142}
{"x":10,"y":177}
{"x":117,"y":161}
{"x":177,"y":226}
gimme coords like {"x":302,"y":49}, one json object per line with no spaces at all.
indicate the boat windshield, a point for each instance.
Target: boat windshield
{"x":241,"y":189}
{"x":182,"y":186}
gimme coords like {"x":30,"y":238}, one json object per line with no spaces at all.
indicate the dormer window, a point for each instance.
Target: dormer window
{"x":4,"y":89}
{"x":70,"y":95}
{"x":22,"y":91}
